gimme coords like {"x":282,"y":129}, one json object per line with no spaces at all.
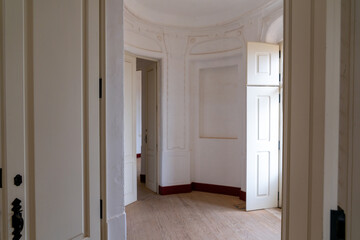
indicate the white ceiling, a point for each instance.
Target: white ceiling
{"x":191,"y":13}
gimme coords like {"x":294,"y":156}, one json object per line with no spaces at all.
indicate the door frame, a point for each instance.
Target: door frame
{"x":158,"y":62}
{"x":297,"y":73}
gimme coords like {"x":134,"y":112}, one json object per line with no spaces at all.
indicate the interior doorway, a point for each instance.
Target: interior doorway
{"x":141,"y":128}
{"x":264,"y":126}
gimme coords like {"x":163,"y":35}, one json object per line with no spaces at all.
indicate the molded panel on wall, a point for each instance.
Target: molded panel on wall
{"x":142,"y":42}
{"x":218,"y":102}
{"x":216,"y":46}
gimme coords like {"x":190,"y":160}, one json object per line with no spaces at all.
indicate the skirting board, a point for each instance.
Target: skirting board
{"x":138,"y":155}
{"x":203,"y":187}
{"x":175,"y":189}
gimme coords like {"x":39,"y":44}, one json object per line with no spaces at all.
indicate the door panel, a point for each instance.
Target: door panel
{"x":151,"y":128}
{"x":263,"y":64}
{"x":262,"y":147}
{"x":130,"y":129}
{"x":57,"y":109}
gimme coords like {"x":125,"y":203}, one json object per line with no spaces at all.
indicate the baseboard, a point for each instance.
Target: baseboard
{"x":203,"y":187}
{"x":175,"y":189}
{"x":142,"y":178}
{"x":211,"y":188}
{"x":138,"y":155}
{"x":243,"y":195}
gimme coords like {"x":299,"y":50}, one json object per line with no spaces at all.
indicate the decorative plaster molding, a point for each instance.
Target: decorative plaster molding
{"x":267,"y":7}
{"x":228,"y":40}
{"x":268,"y":20}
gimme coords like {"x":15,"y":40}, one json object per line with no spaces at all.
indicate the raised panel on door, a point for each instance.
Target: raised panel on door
{"x":130,"y":129}
{"x":57,"y":116}
{"x":262,"y":147}
{"x":151,"y":128}
{"x":263,"y":64}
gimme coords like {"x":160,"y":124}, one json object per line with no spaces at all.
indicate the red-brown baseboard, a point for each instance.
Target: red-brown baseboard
{"x":142,"y":178}
{"x":138,"y":155}
{"x":243,"y":195}
{"x":211,"y":188}
{"x":203,"y":187}
{"x":175,"y":189}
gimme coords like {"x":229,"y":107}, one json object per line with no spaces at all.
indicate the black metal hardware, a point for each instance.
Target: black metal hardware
{"x":17,"y":220}
{"x":100,"y":87}
{"x":279,"y":54}
{"x":337,"y":224}
{"x":18,"y":180}
{"x":101,"y":206}
{"x":0,"y":177}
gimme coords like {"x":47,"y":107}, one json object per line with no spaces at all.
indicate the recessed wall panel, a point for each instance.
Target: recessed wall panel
{"x":218,"y":103}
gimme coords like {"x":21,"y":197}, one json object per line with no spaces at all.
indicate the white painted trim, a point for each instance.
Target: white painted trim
{"x":112,"y":66}
{"x":332,"y":112}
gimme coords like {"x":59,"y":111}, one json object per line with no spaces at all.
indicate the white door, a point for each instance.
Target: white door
{"x":51,"y":118}
{"x":263,"y":64}
{"x":130,"y":129}
{"x":262,"y":147}
{"x":151,"y":127}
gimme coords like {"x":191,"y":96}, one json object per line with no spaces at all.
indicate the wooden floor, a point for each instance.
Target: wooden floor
{"x":198,"y":215}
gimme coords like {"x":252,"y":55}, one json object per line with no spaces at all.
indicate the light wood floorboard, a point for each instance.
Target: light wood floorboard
{"x":197,"y":216}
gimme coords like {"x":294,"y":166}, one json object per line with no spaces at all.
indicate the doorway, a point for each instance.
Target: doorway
{"x":264,"y":126}
{"x":141,"y":128}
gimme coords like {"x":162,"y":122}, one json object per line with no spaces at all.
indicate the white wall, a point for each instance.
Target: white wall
{"x":184,"y":156}
{"x":218,"y":117}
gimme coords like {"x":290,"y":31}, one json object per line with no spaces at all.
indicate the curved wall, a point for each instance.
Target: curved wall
{"x":203,"y":94}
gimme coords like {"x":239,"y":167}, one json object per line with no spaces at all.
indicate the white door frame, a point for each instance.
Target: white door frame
{"x":304,"y":42}
{"x":159,"y":61}
{"x":300,"y":36}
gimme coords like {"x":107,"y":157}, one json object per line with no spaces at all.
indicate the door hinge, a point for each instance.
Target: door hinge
{"x":337,"y":224}
{"x":279,"y":77}
{"x":279,"y":54}
{"x":100,"y":87}
{"x":0,"y":177}
{"x":279,"y":145}
{"x":101,"y":207}
{"x":279,"y":98}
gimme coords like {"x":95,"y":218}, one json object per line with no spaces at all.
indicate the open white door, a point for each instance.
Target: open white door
{"x":150,"y":139}
{"x":51,"y":118}
{"x":262,"y":147}
{"x":130,"y":129}
{"x":262,"y":164}
{"x":262,"y":64}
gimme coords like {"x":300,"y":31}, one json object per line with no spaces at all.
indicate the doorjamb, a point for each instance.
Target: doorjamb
{"x":159,"y":62}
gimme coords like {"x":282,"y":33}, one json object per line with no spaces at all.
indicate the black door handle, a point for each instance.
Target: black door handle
{"x":17,"y":219}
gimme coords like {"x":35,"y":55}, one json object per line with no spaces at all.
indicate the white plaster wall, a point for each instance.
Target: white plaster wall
{"x":219,"y":160}
{"x":184,"y":157}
